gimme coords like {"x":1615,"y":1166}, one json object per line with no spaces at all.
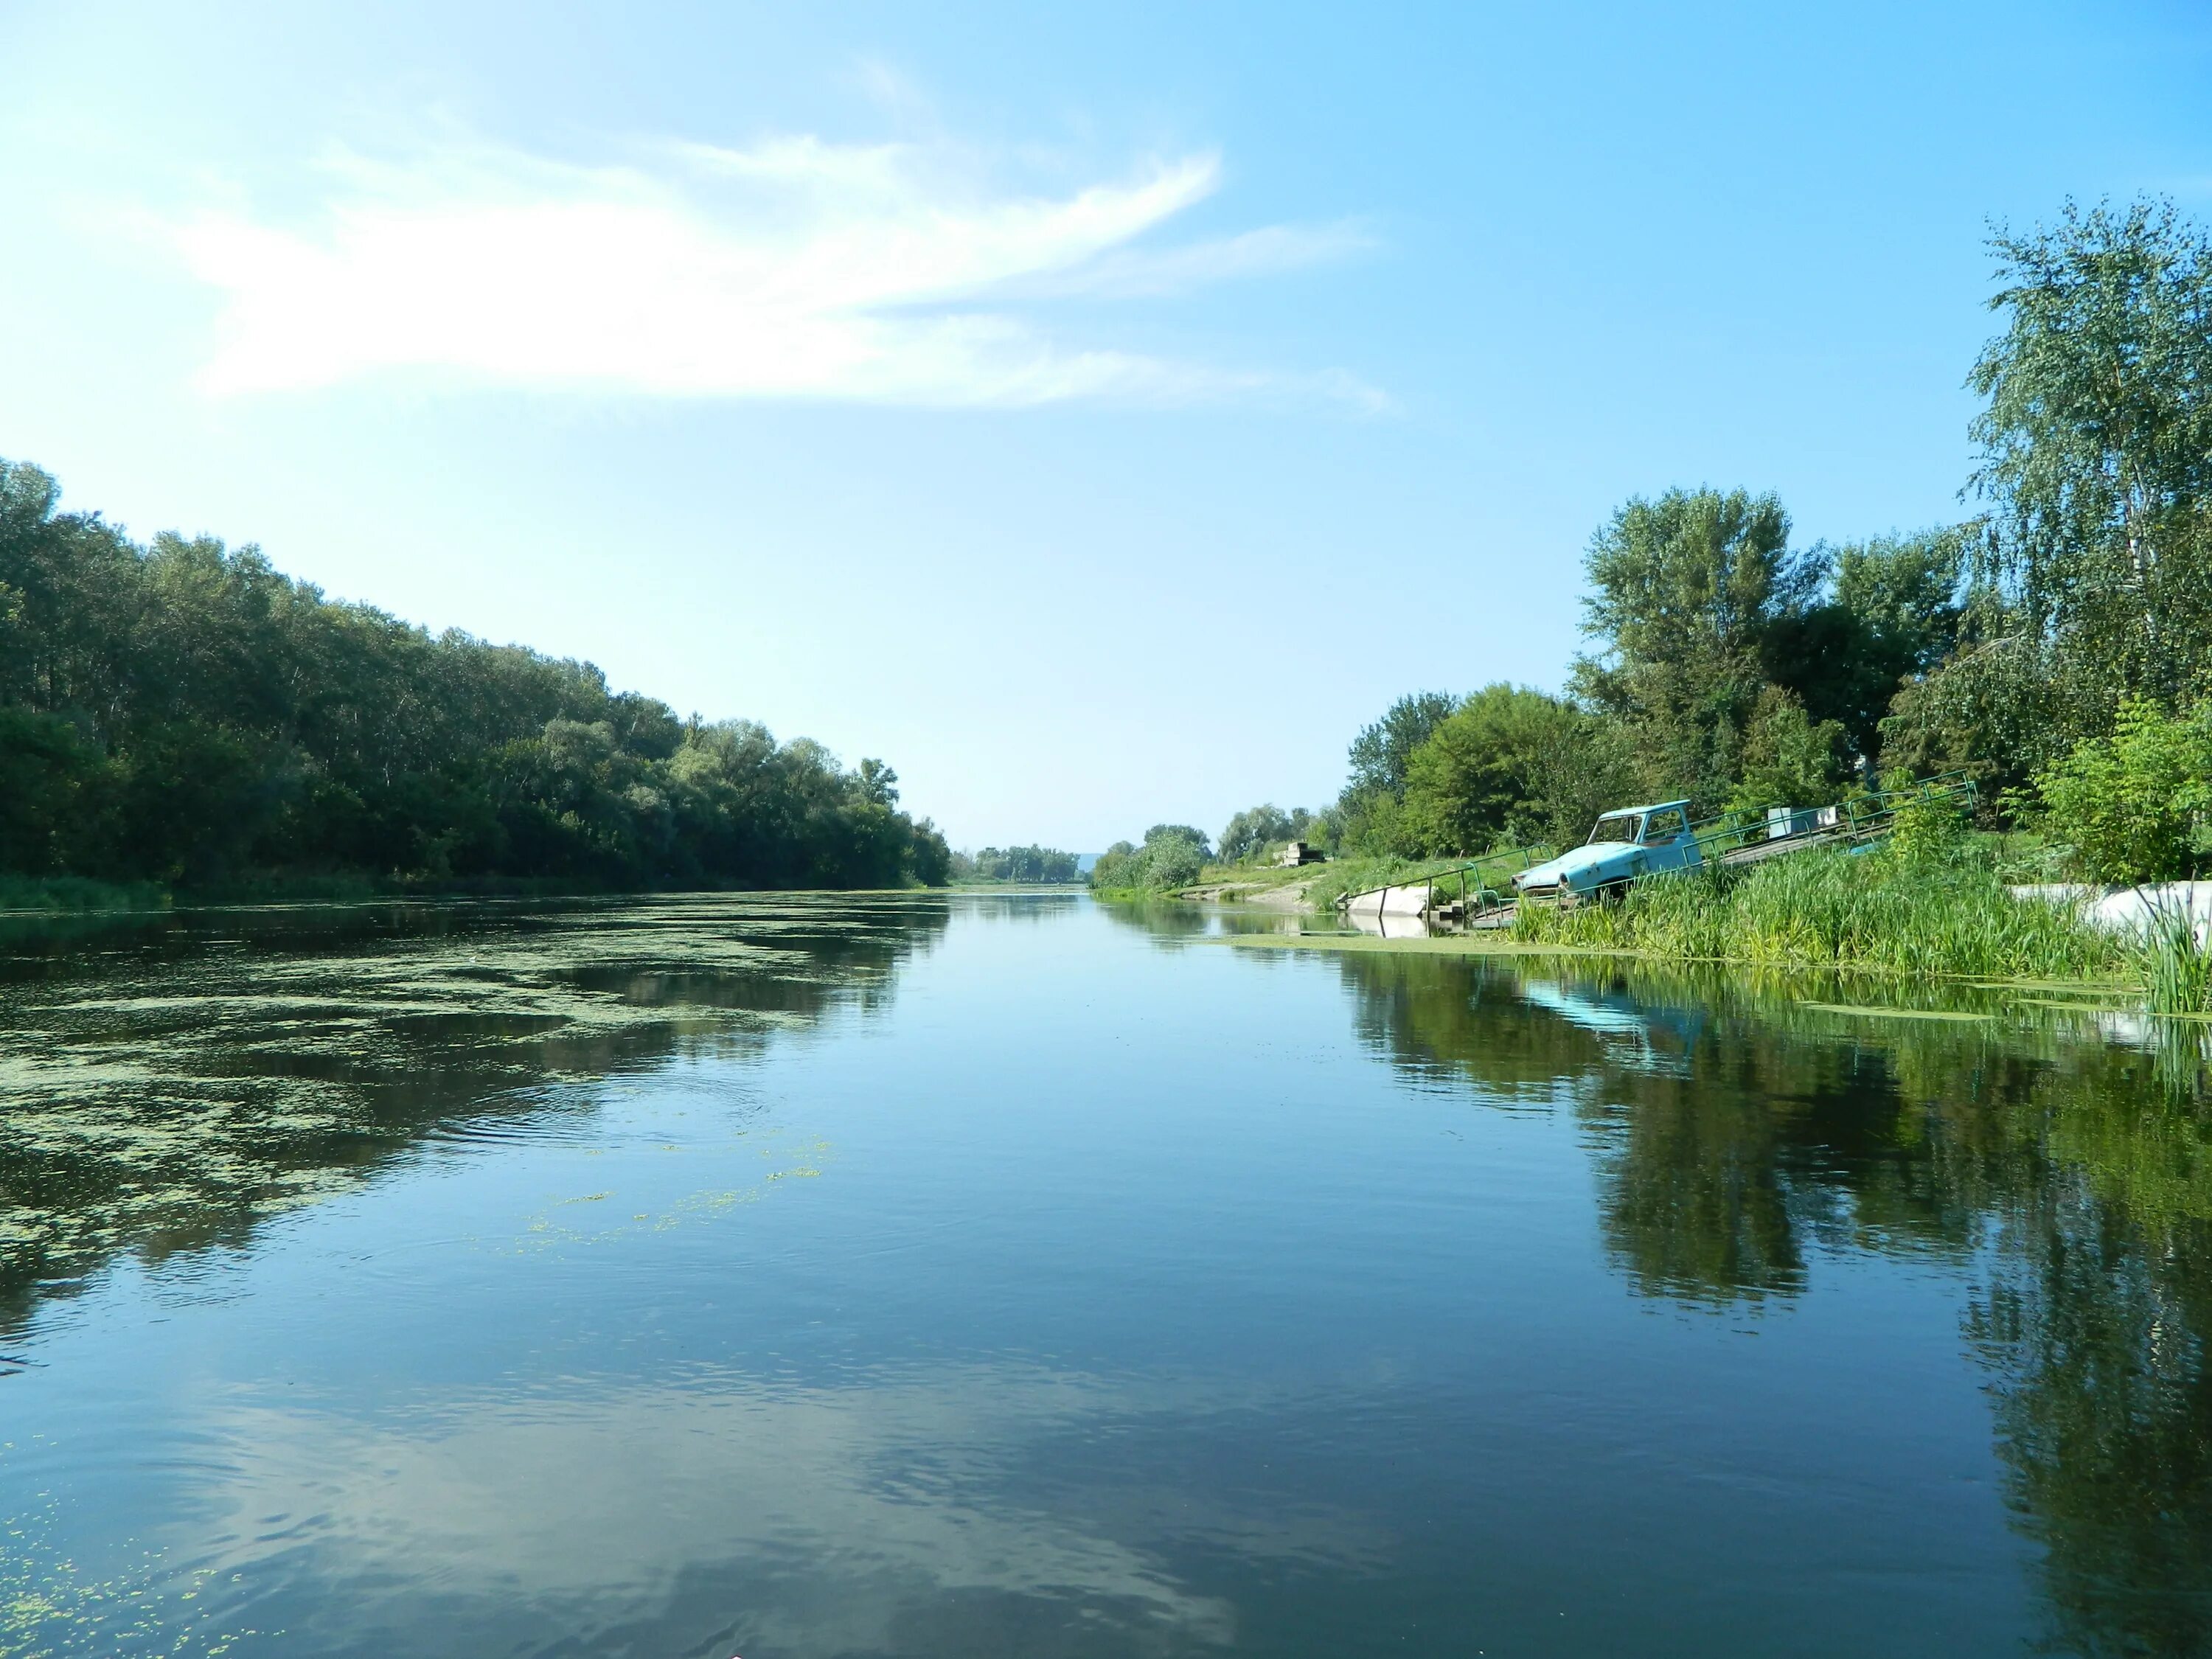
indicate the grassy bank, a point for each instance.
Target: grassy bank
{"x":79,"y":895}
{"x":1822,"y":910}
{"x":1319,"y":886}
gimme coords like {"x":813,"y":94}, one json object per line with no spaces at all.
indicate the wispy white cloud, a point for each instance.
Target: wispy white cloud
{"x":879,"y":1501}
{"x":1141,"y":273}
{"x":793,"y":269}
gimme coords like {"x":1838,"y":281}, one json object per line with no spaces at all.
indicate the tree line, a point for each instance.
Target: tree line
{"x":180,"y":711}
{"x":2056,"y":645}
{"x":1032,"y":866}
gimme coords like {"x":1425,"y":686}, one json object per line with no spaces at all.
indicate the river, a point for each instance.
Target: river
{"x":1012,"y":1275}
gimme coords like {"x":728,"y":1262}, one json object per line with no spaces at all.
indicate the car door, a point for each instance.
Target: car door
{"x":1667,"y":843}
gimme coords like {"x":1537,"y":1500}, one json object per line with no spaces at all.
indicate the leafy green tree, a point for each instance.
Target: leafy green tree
{"x":2097,"y":447}
{"x":1893,"y":613}
{"x":57,"y":792}
{"x":1368,"y":811}
{"x":1174,"y":862}
{"x":1688,"y":592}
{"x":1510,"y":765}
{"x":1382,"y":751}
{"x":1119,"y":868}
{"x":1162,"y":833}
{"x":2135,"y":806}
{"x":1789,"y":758}
{"x":1254,"y":829}
{"x":1173,"y":856}
{"x":185,"y":711}
{"x":1028,"y":864}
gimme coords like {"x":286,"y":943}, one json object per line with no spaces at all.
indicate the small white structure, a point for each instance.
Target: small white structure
{"x":2132,"y":910}
{"x":1783,"y":822}
{"x":1391,"y":901}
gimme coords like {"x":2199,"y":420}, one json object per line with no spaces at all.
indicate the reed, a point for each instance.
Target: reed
{"x":78,"y":894}
{"x":1949,"y":916}
{"x":2176,"y":965}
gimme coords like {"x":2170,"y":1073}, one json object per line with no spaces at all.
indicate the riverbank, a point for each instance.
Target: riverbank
{"x":1314,"y":887}
{"x":78,"y":896}
{"x":1949,"y":918}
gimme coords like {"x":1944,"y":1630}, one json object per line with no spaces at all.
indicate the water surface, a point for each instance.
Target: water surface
{"x":1021,"y":1277}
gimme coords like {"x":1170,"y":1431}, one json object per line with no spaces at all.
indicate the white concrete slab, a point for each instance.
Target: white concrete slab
{"x":1391,"y":900}
{"x":2131,"y":909}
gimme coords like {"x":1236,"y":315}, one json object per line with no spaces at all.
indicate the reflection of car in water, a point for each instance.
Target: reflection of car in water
{"x":1608,"y":1015}
{"x":1633,"y":841}
{"x":1648,"y":1037}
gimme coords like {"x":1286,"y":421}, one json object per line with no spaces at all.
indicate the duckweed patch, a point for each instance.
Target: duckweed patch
{"x":52,"y":1607}
{"x":165,"y":1089}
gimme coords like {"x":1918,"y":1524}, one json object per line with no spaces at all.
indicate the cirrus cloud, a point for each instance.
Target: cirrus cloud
{"x":796,"y":268}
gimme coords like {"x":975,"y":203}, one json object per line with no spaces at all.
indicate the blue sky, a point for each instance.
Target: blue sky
{"x":1100,"y":415}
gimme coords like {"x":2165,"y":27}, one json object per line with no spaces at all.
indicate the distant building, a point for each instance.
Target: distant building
{"x":1299,"y":853}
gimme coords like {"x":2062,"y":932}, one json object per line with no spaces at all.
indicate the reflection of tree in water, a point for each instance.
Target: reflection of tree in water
{"x":2104,"y":1416}
{"x":1723,"y":1150}
{"x":1031,"y":907}
{"x":165,"y":1083}
{"x":1170,"y":922}
{"x":1736,"y":1127}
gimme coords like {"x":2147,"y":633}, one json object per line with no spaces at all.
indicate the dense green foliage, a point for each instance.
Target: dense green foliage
{"x":1030,"y":865}
{"x":182,"y":712}
{"x":2049,"y":650}
{"x":1510,"y":766}
{"x":2094,"y":578}
{"x":2138,"y":805}
{"x":1685,"y":591}
{"x":1259,"y":831}
{"x":1173,"y":856}
{"x":1381,"y":756}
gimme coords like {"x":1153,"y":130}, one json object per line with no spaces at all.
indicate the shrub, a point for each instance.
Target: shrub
{"x":2136,"y":806}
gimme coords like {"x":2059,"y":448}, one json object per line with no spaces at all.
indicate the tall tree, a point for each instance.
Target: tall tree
{"x":1687,"y":592}
{"x":1893,"y":612}
{"x":1256,"y":828}
{"x":1366,"y":815}
{"x":1380,"y":754}
{"x":2096,"y":444}
{"x":1512,"y":765}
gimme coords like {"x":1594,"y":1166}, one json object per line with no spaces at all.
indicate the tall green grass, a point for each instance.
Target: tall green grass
{"x":1833,"y":908}
{"x":77,"y":895}
{"x":2177,"y":964}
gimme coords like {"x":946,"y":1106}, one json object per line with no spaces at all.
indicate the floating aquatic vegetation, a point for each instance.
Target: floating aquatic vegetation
{"x":561,"y":1224}
{"x":167,"y":1088}
{"x":1867,"y":1010}
{"x":49,"y":1606}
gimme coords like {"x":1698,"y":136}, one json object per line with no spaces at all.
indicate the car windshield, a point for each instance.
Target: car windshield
{"x":1621,"y":826}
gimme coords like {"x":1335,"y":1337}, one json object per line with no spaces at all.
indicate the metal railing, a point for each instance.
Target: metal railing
{"x":1480,"y":880}
{"x":1862,"y":818}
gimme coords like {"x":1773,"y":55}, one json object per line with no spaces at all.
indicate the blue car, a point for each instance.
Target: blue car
{"x":1633,"y":841}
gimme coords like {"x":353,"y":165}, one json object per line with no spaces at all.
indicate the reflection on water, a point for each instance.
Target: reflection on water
{"x":166,"y":1081}
{"x":1012,"y":1275}
{"x":1735,"y":1127}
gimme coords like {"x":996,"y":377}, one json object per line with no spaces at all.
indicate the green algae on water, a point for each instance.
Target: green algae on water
{"x":164,"y":1087}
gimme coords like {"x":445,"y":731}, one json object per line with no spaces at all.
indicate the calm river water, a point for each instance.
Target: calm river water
{"x":1015,"y":1276}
